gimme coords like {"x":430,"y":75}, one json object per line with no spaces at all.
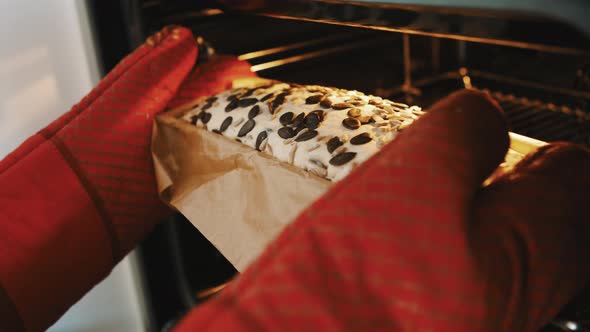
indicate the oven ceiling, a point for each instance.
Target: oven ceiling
{"x":574,"y":12}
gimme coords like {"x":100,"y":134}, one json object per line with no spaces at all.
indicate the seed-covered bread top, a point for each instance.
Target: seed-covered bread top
{"x":326,"y":131}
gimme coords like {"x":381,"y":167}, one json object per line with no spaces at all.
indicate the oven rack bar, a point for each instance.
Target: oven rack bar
{"x":317,"y":54}
{"x":192,"y":14}
{"x":285,"y":13}
{"x":545,"y":121}
{"x":274,"y":57}
{"x":542,"y":120}
{"x":290,"y":47}
{"x":472,"y":39}
{"x":328,"y":46}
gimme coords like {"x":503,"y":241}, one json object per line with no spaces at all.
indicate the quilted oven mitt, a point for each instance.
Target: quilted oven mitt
{"x":77,"y":196}
{"x":411,"y":242}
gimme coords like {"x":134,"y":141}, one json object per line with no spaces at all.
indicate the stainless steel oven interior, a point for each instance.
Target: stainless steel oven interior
{"x":535,"y":64}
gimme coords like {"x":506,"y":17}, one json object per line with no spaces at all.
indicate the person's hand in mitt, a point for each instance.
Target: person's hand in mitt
{"x":76,"y":197}
{"x":410,"y":241}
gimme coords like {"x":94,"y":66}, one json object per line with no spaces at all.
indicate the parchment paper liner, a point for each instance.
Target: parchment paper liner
{"x":237,"y":197}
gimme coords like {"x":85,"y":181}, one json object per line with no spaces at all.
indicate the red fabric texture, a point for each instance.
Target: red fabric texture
{"x":47,"y":239}
{"x":25,"y":148}
{"x":76,"y":197}
{"x":213,"y":77}
{"x":79,"y":195}
{"x":411,"y":242}
{"x":11,"y":320}
{"x":535,"y":223}
{"x":110,"y":139}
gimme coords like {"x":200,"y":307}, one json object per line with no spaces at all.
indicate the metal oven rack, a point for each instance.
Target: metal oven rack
{"x":540,"y":119}
{"x":546,"y":120}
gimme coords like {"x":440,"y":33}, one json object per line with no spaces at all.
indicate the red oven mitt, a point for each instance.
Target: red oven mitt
{"x":210,"y":78}
{"x":410,"y":242}
{"x":534,"y":223}
{"x":76,"y":197}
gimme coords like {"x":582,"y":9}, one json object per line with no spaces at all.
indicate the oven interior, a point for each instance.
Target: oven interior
{"x":536,"y":68}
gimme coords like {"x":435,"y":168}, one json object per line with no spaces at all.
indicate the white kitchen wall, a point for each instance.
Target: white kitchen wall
{"x":47,"y":64}
{"x":43,"y":65}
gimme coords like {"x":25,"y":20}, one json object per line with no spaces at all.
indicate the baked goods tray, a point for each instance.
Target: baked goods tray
{"x":245,"y":210}
{"x":241,"y":255}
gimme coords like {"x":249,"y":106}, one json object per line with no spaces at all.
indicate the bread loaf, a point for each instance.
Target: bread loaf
{"x":326,"y":131}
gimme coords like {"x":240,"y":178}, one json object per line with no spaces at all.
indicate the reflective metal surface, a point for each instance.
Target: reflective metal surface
{"x":509,"y":26}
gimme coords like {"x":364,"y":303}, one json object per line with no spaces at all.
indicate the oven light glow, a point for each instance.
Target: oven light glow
{"x":572,"y":326}
{"x":467,"y":82}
